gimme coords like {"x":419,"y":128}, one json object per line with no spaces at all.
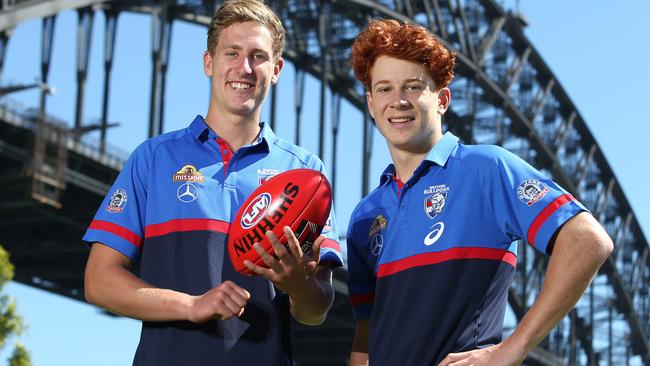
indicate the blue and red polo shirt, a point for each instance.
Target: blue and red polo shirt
{"x":170,"y":208}
{"x":430,"y":264}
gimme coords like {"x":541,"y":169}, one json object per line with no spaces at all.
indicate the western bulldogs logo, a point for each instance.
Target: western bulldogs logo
{"x":255,"y":210}
{"x":265,"y":174}
{"x":434,"y":204}
{"x":531,"y":191}
{"x":117,"y":201}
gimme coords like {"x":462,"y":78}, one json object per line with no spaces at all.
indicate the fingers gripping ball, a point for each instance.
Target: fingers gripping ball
{"x":299,"y":198}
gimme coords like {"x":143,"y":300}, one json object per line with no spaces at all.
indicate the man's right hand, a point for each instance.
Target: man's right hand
{"x":221,"y":302}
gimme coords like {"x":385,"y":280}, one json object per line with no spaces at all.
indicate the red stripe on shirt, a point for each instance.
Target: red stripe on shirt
{"x":362,"y":299}
{"x":425,"y":259}
{"x":545,"y":214}
{"x":332,"y":244}
{"x":179,"y":225}
{"x":118,"y":230}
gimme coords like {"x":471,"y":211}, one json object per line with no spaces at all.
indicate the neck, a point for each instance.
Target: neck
{"x":407,"y":160}
{"x":234,"y":129}
{"x":405,"y":163}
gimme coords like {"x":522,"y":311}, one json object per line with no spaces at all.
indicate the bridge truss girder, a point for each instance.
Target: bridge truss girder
{"x":504,"y":94}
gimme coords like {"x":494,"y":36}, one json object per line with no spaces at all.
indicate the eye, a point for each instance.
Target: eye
{"x":231,"y":54}
{"x":414,"y":87}
{"x":260,"y":56}
{"x":383,"y":89}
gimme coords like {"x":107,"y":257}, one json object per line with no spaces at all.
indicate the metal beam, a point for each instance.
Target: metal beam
{"x":24,"y":11}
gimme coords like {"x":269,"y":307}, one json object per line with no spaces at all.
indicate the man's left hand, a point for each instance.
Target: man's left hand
{"x":290,"y":269}
{"x":497,"y":355}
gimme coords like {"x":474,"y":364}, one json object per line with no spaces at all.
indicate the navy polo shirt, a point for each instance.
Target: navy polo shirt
{"x":170,"y":208}
{"x":430,"y":264}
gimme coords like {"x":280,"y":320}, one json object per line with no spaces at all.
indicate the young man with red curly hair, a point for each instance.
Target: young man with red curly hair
{"x":432,"y":250}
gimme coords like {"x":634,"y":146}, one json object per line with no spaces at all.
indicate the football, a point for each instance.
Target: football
{"x":298,"y":198}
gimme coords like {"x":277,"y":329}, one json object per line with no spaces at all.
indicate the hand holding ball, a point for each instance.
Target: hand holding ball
{"x":300,"y":199}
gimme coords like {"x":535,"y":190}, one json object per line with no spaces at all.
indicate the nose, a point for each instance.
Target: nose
{"x":245,"y":65}
{"x":400,"y":102}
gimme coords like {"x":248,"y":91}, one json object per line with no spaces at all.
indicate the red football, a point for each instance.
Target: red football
{"x":299,"y":198}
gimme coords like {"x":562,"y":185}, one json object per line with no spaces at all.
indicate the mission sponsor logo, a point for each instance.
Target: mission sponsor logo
{"x":188,"y":173}
{"x":118,"y":201}
{"x":531,"y":191}
{"x":377,"y":226}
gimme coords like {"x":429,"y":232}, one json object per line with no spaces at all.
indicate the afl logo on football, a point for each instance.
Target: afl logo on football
{"x":255,"y":210}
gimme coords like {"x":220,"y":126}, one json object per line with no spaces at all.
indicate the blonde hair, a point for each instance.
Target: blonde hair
{"x":240,"y":11}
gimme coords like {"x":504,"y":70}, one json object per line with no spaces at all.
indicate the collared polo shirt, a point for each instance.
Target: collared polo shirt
{"x":170,"y":208}
{"x":430,"y":265}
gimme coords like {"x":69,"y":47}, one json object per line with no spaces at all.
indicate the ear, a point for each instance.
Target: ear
{"x":444,"y":100}
{"x":369,"y":102}
{"x":276,"y":70}
{"x":207,"y":64}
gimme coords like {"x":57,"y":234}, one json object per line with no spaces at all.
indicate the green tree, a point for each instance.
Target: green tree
{"x":10,"y":322}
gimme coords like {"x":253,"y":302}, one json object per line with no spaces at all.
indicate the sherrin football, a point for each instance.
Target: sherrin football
{"x":298,"y":198}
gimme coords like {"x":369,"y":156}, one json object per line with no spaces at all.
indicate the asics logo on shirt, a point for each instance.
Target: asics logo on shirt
{"x":434,"y":234}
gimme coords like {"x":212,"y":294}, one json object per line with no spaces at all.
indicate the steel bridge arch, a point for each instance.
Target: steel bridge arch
{"x":505,"y":94}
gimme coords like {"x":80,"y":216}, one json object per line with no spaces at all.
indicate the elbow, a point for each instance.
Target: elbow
{"x":91,"y":290}
{"x":602,"y":243}
{"x":310,"y":321}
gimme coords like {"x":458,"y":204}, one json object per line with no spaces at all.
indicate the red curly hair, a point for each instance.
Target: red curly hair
{"x":387,"y":37}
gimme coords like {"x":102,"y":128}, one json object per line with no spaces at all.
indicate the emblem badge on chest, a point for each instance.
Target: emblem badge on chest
{"x":374,"y":234}
{"x":187,"y":192}
{"x":436,"y":200}
{"x":265,"y":174}
{"x":188,"y":173}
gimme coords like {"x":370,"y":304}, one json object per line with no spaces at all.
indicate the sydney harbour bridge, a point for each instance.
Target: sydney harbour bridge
{"x":504,"y":93}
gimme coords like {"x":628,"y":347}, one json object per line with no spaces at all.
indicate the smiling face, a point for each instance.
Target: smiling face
{"x":405,"y":105}
{"x":242,"y":67}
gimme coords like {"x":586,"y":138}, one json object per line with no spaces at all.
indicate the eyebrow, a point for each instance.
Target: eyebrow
{"x":405,"y":81}
{"x":238,"y":47}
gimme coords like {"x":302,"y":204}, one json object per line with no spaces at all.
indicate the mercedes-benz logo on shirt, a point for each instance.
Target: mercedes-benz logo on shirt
{"x":187,"y":193}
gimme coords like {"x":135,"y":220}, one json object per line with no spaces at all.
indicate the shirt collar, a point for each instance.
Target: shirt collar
{"x":442,"y":149}
{"x":438,"y":155}
{"x":203,"y":133}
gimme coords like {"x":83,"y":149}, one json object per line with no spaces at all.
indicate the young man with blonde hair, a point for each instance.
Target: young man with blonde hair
{"x":178,"y":193}
{"x":432,"y":250}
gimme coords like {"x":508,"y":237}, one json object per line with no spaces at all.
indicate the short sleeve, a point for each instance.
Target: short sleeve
{"x":120,"y":220}
{"x":527,"y":204}
{"x":361,"y":277}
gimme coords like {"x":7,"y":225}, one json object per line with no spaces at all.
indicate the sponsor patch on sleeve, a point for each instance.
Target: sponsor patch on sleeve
{"x":531,"y":191}
{"x":118,"y":201}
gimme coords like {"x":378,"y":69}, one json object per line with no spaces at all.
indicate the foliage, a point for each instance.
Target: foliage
{"x":11,"y":323}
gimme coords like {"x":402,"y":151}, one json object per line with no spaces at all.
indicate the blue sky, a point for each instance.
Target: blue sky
{"x":596,"y":49}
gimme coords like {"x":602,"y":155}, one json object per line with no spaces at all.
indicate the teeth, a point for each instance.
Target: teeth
{"x":240,"y":86}
{"x":400,"y":120}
